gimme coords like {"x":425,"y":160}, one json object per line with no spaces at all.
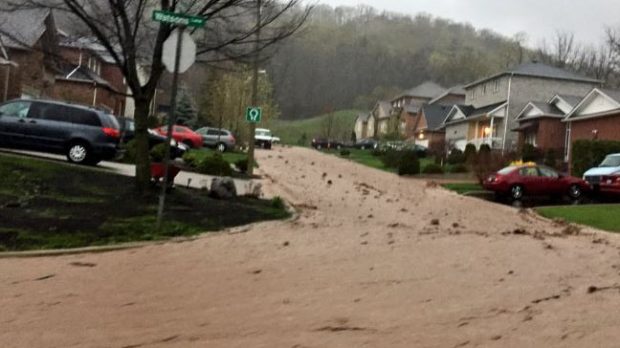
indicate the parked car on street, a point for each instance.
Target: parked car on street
{"x":183,"y":135}
{"x":127,"y":128}
{"x":519,"y":181}
{"x":365,"y":144}
{"x":85,"y":135}
{"x":217,"y":138}
{"x":263,"y":138}
{"x":607,"y":168}
{"x":322,"y":143}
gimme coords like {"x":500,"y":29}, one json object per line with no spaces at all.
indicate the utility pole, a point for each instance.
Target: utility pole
{"x":254,"y":88}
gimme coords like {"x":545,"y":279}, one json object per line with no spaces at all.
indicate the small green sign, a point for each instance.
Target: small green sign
{"x":253,"y":114}
{"x":178,"y":19}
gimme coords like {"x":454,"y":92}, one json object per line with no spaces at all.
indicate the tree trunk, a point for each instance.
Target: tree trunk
{"x":143,"y":163}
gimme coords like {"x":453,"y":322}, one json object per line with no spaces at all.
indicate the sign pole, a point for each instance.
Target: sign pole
{"x":171,"y":122}
{"x":251,"y":159}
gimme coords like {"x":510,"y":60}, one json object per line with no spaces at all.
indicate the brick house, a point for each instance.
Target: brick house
{"x":512,"y":89}
{"x":596,"y":117}
{"x":428,"y":129}
{"x":50,"y":65}
{"x":405,"y":106}
{"x":30,"y":42}
{"x":540,"y":123}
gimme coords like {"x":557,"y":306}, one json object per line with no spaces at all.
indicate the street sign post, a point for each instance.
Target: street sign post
{"x":253,"y":114}
{"x":179,"y":53}
{"x":179,"y":19}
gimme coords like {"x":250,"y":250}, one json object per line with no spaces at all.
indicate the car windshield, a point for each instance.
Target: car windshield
{"x":506,"y":170}
{"x":611,"y":161}
{"x":263,"y":133}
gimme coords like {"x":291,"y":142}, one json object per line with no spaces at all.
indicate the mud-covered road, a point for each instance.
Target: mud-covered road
{"x":373,"y":260}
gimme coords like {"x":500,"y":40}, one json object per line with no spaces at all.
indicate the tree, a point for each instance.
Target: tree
{"x":125,"y":29}
{"x":185,"y":112}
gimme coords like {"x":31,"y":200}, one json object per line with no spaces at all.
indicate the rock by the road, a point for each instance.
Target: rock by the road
{"x":223,"y":188}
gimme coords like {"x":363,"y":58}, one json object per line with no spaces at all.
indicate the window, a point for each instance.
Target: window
{"x":81,"y":116}
{"x":179,"y":129}
{"x":15,"y":109}
{"x":212,"y":132}
{"x":45,"y":111}
{"x":528,"y":171}
{"x":548,"y":172}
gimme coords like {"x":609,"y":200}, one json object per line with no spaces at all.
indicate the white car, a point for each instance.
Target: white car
{"x":264,"y":139}
{"x":610,"y":165}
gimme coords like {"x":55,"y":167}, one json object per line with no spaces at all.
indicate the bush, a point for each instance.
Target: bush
{"x":191,"y":158}
{"x":456,"y":157}
{"x":432,"y":168}
{"x":469,"y":156}
{"x":530,"y":153}
{"x":487,"y":163}
{"x":377,"y":152}
{"x":590,"y":153}
{"x":158,"y":152}
{"x":130,"y":152}
{"x":408,"y":163}
{"x":552,"y":158}
{"x":345,"y":152}
{"x":458,"y":168}
{"x":391,"y":158}
{"x":242,"y":165}
{"x":214,"y":165}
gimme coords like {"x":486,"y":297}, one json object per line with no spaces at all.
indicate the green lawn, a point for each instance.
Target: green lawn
{"x":291,"y":132}
{"x":366,"y":158}
{"x":47,"y":205}
{"x":605,"y":217}
{"x":462,"y":188}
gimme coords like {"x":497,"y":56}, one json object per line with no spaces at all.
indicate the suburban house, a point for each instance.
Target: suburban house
{"x":540,"y":123}
{"x":361,"y":126}
{"x":595,"y":117}
{"x":451,"y":96}
{"x":382,"y":117}
{"x":405,"y":106}
{"x":428,"y":129}
{"x":45,"y":63}
{"x":492,"y":104}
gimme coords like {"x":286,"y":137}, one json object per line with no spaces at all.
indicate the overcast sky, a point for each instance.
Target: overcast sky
{"x":538,"y":18}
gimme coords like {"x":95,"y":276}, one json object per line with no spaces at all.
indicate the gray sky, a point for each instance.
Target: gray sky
{"x":538,"y":18}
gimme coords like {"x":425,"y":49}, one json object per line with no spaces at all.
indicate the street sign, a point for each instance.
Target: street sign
{"x":178,"y":19}
{"x":188,"y":51}
{"x":254,"y":114}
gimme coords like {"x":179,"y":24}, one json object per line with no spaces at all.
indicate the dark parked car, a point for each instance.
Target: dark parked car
{"x":128,"y":133}
{"x":535,"y":180}
{"x":366,"y":144}
{"x":85,"y":135}
{"x":322,"y":143}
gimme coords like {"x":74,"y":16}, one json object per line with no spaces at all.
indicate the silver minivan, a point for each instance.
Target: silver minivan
{"x":218,"y":138}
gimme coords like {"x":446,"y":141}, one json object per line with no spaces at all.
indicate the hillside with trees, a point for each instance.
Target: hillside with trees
{"x":349,"y":57}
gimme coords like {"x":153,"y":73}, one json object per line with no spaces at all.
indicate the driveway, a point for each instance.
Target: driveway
{"x":373,"y":260}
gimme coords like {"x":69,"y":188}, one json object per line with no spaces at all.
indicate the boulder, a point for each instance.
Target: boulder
{"x":223,"y":188}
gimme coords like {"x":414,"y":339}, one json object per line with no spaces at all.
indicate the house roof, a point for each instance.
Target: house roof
{"x":613,"y":104}
{"x":548,"y":109}
{"x":471,"y":112}
{"x":544,"y":110}
{"x":88,"y":44}
{"x":435,"y":115}
{"x":572,"y":100}
{"x":456,"y":90}
{"x":22,"y":28}
{"x":428,"y":90}
{"x":536,"y":69}
{"x":384,"y":109}
{"x":81,"y":74}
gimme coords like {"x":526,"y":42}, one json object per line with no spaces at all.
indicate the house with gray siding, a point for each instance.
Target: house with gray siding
{"x":493,"y":103}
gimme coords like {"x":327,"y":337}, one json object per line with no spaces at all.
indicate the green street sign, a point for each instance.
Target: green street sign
{"x":178,"y":19}
{"x":253,"y":114}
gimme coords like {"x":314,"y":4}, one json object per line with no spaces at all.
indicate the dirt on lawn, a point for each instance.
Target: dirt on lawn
{"x":373,"y":260}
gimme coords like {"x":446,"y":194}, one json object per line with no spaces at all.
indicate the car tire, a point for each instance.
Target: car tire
{"x":79,"y":152}
{"x":221,"y":147}
{"x":575,"y":192}
{"x":517,"y":192}
{"x":268,"y":146}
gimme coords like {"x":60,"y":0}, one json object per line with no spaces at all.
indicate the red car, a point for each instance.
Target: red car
{"x":183,"y":135}
{"x":534,"y":180}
